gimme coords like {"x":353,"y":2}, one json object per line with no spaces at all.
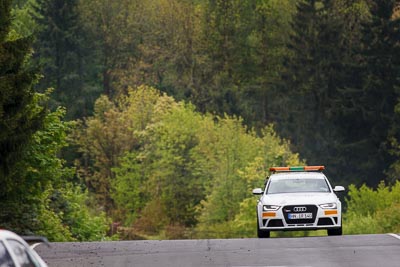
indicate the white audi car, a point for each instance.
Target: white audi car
{"x":298,"y":198}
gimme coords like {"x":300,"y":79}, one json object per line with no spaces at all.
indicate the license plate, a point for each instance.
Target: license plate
{"x":293,"y":216}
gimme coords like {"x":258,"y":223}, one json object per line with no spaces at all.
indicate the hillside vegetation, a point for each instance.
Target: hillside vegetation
{"x":158,"y":117}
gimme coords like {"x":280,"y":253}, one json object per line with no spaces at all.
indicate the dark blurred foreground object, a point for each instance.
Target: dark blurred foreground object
{"x":15,"y":251}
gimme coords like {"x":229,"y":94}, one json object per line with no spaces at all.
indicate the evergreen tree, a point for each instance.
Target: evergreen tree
{"x":297,"y":76}
{"x":271,"y":33}
{"x":114,"y":31}
{"x":378,"y":94}
{"x":20,"y":117}
{"x":226,"y":27}
{"x":310,"y":82}
{"x":59,"y":52}
{"x":341,"y":93}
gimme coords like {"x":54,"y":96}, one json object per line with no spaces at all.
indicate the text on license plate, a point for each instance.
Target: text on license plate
{"x":292,"y":216}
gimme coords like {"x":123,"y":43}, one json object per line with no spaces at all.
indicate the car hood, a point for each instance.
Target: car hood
{"x":298,"y":198}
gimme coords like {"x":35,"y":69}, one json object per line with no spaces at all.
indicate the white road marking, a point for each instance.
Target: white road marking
{"x":395,"y":236}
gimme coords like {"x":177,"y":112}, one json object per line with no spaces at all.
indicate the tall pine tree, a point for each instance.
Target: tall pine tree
{"x":341,"y":93}
{"x":310,"y":80}
{"x":58,"y":50}
{"x":19,"y":119}
{"x":379,"y":73}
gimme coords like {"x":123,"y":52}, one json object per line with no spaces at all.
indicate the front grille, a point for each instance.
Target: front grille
{"x":291,"y":209}
{"x":325,"y":221}
{"x":275,"y":223}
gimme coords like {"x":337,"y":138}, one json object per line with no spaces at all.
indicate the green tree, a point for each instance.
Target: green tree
{"x":61,"y":52}
{"x":369,"y":117}
{"x":172,"y":56}
{"x":113,"y":36}
{"x":21,"y":114}
{"x":323,"y":91}
{"x":308,"y":81}
{"x":143,"y":176}
{"x":232,"y":150}
{"x":225,"y":28}
{"x":57,"y":208}
{"x":240,"y":164}
{"x":38,"y":169}
{"x":372,"y":211}
{"x":23,"y":24}
{"x":173,"y":168}
{"x":271,"y":30}
{"x":102,"y":139}
{"x":129,"y":189}
{"x":114,"y":130}
{"x":170,"y":155}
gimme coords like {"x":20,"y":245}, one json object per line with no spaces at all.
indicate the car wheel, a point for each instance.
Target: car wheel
{"x":262,"y":233}
{"x":337,"y":231}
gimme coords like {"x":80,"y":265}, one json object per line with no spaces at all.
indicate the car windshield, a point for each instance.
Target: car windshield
{"x":297,"y":186}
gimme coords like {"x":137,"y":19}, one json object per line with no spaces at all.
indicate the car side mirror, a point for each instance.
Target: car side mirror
{"x":258,"y":191}
{"x":338,"y":188}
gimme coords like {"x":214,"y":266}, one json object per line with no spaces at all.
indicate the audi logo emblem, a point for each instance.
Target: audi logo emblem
{"x":299,"y":209}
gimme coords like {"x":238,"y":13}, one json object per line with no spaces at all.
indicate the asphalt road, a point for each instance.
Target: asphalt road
{"x":355,"y":250}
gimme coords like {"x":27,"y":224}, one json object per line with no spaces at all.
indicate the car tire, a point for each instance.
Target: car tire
{"x":337,"y":231}
{"x":262,"y":233}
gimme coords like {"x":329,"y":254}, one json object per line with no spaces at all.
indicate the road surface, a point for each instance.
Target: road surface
{"x":351,"y":250}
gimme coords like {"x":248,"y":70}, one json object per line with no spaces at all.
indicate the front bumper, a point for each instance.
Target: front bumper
{"x":281,"y":220}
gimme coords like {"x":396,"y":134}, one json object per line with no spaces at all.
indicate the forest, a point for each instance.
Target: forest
{"x":154,"y":119}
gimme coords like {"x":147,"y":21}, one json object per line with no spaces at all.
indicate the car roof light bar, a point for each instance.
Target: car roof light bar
{"x":314,"y":168}
{"x":297,"y":168}
{"x":279,"y":169}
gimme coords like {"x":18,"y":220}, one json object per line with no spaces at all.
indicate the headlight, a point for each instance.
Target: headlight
{"x":270,"y":207}
{"x":328,"y":206}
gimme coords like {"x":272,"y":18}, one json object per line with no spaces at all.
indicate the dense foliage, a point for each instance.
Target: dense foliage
{"x":324,"y":72}
{"x":373,"y":211}
{"x":171,"y":165}
{"x":161,"y":115}
{"x":20,"y":114}
{"x":35,"y":195}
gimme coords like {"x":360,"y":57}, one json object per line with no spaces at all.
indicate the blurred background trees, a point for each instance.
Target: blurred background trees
{"x":162,"y":114}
